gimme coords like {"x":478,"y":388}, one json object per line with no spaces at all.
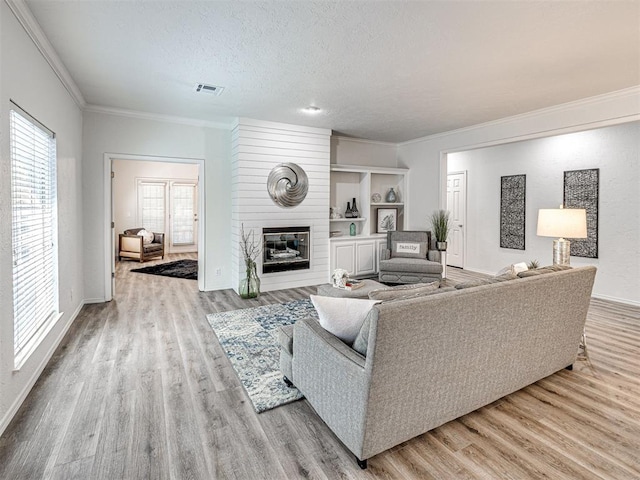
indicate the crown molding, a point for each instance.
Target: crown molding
{"x":364,"y":140}
{"x":33,"y":29}
{"x":585,"y":102}
{"x":121,"y":112}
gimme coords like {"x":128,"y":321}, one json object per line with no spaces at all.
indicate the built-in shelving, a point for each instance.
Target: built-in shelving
{"x":359,"y":253}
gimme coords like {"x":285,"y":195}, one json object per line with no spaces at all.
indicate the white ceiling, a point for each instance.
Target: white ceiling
{"x":386,"y":70}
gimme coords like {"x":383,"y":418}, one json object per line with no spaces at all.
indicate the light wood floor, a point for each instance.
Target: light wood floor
{"x":140,"y":389}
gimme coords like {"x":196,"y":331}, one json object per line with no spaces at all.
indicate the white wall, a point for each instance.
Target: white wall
{"x":614,"y":150}
{"x":423,"y":156}
{"x":125,"y":191}
{"x":258,"y":147}
{"x":426,"y":157}
{"x":117,"y":134}
{"x":28,"y":80}
{"x":354,"y":151}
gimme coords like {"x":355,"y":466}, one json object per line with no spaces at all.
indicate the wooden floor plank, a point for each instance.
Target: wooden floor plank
{"x":140,"y":388}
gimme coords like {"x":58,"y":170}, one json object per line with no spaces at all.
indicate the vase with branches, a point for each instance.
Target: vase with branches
{"x":440,"y":225}
{"x":250,"y":285}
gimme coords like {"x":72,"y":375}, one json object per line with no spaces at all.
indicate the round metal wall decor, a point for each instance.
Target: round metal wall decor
{"x":287,"y":184}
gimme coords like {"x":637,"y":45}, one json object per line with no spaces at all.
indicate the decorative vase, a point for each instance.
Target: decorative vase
{"x":348,"y":213}
{"x":352,"y":229}
{"x":391,"y":196}
{"x":354,"y":210}
{"x":442,"y":246}
{"x":250,"y":285}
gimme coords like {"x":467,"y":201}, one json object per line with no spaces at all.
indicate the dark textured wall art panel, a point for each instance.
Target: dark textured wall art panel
{"x":513,"y":191}
{"x":581,"y":190}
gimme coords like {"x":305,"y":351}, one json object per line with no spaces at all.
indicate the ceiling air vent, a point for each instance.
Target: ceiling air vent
{"x":211,"y":89}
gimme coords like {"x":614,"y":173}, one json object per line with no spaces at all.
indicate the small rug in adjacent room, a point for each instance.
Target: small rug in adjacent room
{"x":179,"y":269}
{"x":249,"y":337}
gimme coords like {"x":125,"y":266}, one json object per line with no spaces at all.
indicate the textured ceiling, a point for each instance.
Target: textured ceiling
{"x":389,"y":71}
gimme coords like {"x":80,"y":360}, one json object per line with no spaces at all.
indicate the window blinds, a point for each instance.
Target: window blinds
{"x":34,"y":228}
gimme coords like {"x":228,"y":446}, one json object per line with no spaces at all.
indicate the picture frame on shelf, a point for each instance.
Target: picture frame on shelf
{"x":386,"y":220}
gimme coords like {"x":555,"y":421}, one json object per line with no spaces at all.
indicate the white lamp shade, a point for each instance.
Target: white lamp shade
{"x":562,"y":222}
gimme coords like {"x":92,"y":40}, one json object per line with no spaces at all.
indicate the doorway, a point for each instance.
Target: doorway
{"x":457,"y":206}
{"x":165,"y":193}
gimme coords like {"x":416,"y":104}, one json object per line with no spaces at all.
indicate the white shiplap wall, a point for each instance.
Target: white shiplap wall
{"x":257,"y":147}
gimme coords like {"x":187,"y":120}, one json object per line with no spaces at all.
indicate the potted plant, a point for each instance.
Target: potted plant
{"x":440,"y":226}
{"x":250,"y":285}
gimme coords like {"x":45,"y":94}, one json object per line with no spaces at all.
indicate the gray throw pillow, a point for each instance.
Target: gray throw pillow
{"x":409,"y":249}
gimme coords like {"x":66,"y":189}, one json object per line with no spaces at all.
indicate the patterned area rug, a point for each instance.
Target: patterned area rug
{"x":249,"y":337}
{"x":179,"y":269}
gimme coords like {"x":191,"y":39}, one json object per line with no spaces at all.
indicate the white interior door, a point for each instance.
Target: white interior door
{"x":457,"y":206}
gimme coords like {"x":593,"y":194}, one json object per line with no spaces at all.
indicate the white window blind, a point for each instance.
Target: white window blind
{"x":34,"y":229}
{"x":183,"y":214}
{"x":151,"y":205}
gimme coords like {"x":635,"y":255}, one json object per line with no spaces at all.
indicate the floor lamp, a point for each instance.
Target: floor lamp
{"x":562,"y":222}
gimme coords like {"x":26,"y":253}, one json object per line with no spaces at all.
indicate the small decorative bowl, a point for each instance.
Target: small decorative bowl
{"x":376,"y":198}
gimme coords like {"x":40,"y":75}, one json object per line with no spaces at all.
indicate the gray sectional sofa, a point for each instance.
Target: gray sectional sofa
{"x":431,"y":359}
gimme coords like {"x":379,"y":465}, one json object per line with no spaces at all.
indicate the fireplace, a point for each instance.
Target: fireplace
{"x":285,"y":249}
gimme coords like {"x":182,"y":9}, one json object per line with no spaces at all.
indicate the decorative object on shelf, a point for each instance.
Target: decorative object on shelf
{"x":352,"y":229}
{"x":348,"y":213}
{"x":562,"y":222}
{"x":376,"y":198}
{"x":250,"y":285}
{"x":581,"y":191}
{"x":391,"y":196}
{"x":335,"y":233}
{"x":512,"y":211}
{"x":339,"y":278}
{"x":387,"y":220}
{"x":287,"y":184}
{"x":354,"y":210}
{"x":334,"y":214}
{"x":440,"y":225}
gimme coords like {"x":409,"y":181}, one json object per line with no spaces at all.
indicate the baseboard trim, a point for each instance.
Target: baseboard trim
{"x":15,"y":406}
{"x":617,"y":300}
{"x":87,"y":301}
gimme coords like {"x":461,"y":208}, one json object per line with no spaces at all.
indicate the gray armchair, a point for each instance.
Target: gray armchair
{"x":409,"y":258}
{"x":131,"y":245}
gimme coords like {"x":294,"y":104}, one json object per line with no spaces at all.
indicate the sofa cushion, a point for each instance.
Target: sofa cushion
{"x":342,"y":317}
{"x":543,"y":270}
{"x":152,"y":247}
{"x":410,"y":265}
{"x":403,"y":291}
{"x":409,"y":250}
{"x":486,"y":281}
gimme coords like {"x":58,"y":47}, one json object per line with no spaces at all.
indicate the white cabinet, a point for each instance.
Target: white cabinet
{"x":365,"y":257}
{"x":358,"y":257}
{"x":343,"y":255}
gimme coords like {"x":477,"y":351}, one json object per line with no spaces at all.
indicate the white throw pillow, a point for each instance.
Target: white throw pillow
{"x":342,"y":317}
{"x":514,"y":268}
{"x":147,"y":237}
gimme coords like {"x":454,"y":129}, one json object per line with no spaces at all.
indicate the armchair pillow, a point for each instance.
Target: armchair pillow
{"x":342,"y":317}
{"x":409,"y":249}
{"x":147,"y":236}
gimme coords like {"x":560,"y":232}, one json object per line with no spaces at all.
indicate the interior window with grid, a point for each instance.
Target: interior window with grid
{"x":151,"y":205}
{"x":34,"y":231}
